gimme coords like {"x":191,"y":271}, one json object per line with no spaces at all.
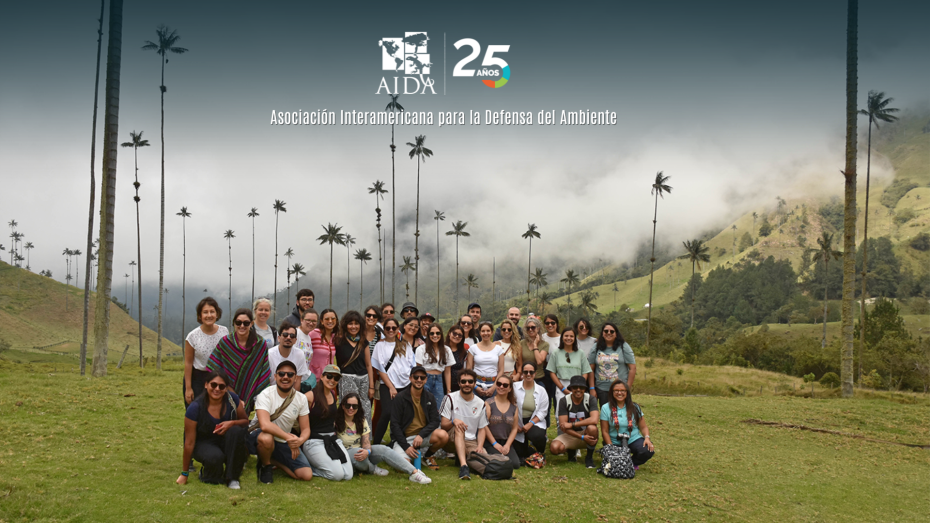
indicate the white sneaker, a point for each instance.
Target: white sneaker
{"x":378,"y":471}
{"x":419,"y":477}
{"x":234,"y":484}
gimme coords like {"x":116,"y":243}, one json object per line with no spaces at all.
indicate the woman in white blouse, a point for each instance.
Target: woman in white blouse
{"x":487,"y":360}
{"x":437,"y":358}
{"x":393,"y":358}
{"x":199,"y":345}
{"x":532,"y":406}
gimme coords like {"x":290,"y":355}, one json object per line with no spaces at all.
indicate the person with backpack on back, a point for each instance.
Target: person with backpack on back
{"x":621,"y":417}
{"x":611,"y":359}
{"x":579,"y":420}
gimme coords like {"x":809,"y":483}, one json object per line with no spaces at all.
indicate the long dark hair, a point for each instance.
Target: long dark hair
{"x":377,"y":310}
{"x":602,"y":343}
{"x":435,"y":353}
{"x":460,"y":346}
{"x":204,"y":401}
{"x":632,"y":409}
{"x":342,"y":333}
{"x":554,"y":318}
{"x":253,"y":336}
{"x":358,"y":419}
{"x":562,"y":339}
{"x":511,"y":397}
{"x":320,"y":326}
{"x":319,"y":394}
{"x":402,"y":341}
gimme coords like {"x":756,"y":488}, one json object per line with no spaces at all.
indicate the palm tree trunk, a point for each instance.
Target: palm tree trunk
{"x":161,"y":236}
{"x":380,"y":261}
{"x":692,"y":295}
{"x":330,"y":275}
{"x":274,"y":310}
{"x":253,"y":261}
{"x":108,"y":189}
{"x":184,"y":277}
{"x":865,"y":253}
{"x":348,"y":276}
{"x":823,"y":341}
{"x":529,"y":264}
{"x":652,"y":268}
{"x":138,"y":253}
{"x":437,"y":270}
{"x":457,"y":275}
{"x":393,"y":219}
{"x":416,"y":241}
{"x":90,"y":213}
{"x":849,"y":204}
{"x":361,"y":285}
{"x":229,"y":243}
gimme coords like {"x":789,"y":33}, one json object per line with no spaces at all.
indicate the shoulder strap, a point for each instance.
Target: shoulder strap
{"x":587,"y":401}
{"x":355,"y":354}
{"x":390,"y":362}
{"x":280,"y":410}
{"x":232,"y":406}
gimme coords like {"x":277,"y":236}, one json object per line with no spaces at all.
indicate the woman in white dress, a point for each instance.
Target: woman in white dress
{"x":487,"y":360}
{"x":513,"y":349}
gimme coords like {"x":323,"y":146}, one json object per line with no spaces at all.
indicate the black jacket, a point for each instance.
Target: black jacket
{"x":402,"y":415}
{"x":294,"y":318}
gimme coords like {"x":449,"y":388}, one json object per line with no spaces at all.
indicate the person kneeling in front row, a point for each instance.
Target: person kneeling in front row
{"x":464,"y":417}
{"x":415,"y":421}
{"x":277,"y":409}
{"x":578,"y":419}
{"x":621,"y":416}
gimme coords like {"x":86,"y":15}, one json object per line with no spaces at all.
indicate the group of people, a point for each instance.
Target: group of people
{"x":326,"y":392}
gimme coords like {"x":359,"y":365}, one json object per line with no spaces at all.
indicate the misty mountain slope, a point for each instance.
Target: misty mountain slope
{"x":33,"y":314}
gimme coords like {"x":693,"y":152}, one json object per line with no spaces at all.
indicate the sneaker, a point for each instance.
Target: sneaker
{"x":378,"y":471}
{"x":589,"y":460}
{"x":572,"y":456}
{"x":430,"y":463}
{"x":463,"y":472}
{"x":266,"y":474}
{"x":234,"y":485}
{"x":419,"y":477}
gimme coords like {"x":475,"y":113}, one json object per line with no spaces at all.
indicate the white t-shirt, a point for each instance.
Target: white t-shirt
{"x":471,"y":412}
{"x":509,"y":361}
{"x":469,"y":341}
{"x":296,"y":357}
{"x":269,"y":400}
{"x":304,"y":344}
{"x":204,"y":344}
{"x":265,"y":333}
{"x":553,"y":341}
{"x":423,"y":359}
{"x":399,"y":373}
{"x":486,"y":361}
{"x":586,"y":345}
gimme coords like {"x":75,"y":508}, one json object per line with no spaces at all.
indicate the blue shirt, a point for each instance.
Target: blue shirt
{"x":624,"y":428}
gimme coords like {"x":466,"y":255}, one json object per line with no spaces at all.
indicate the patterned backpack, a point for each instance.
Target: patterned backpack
{"x":618,"y":462}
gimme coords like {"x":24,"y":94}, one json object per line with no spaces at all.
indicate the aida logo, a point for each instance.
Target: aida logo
{"x":492,"y":66}
{"x":410,"y":56}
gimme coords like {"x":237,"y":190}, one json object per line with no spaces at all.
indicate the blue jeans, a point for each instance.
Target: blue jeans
{"x":435,"y":386}
{"x":324,"y":466}
{"x":380,"y":454}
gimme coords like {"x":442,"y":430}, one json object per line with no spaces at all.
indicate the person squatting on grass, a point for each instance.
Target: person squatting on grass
{"x":365,"y":456}
{"x":532,"y":406}
{"x":214,"y":434}
{"x":503,"y":422}
{"x":415,"y":422}
{"x":464,"y":419}
{"x":278,"y":409}
{"x":621,"y":416}
{"x":578,"y":420}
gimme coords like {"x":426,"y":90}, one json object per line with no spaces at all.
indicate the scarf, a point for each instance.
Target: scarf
{"x":247,"y":369}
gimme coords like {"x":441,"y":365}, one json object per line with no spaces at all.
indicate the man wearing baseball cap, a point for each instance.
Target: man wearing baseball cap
{"x":426,"y":319}
{"x":578,"y":419}
{"x":474,"y":310}
{"x":415,"y":421}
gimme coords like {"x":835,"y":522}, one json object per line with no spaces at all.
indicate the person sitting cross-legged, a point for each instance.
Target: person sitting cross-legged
{"x":464,"y":415}
{"x":532,"y":406}
{"x":621,"y":416}
{"x":579,"y":420}
{"x":415,"y":421}
{"x":277,"y":409}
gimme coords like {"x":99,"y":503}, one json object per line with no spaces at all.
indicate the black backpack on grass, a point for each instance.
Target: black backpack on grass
{"x":618,"y":463}
{"x":490,"y":466}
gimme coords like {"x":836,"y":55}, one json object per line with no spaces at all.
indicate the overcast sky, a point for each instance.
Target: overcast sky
{"x":734,"y":100}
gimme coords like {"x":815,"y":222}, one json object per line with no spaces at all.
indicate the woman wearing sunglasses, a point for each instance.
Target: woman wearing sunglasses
{"x":324,"y":450}
{"x":533,"y":404}
{"x":243,"y":357}
{"x":487,"y":360}
{"x":612,"y":359}
{"x":393,"y":358}
{"x":503,"y":422}
{"x":468,"y":328}
{"x":214,"y":434}
{"x":355,"y":432}
{"x":513,"y":348}
{"x":372,"y":334}
{"x":619,"y":415}
{"x":437,"y":359}
{"x":324,"y":342}
{"x":455,"y":340}
{"x":353,"y":358}
{"x":584,"y":336}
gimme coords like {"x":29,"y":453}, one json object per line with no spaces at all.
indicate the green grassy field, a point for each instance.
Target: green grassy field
{"x":80,"y":449}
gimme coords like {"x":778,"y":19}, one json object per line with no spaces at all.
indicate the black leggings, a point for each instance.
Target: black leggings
{"x":535,"y":437}
{"x":387,"y":403}
{"x":198,"y":382}
{"x":227,"y":450}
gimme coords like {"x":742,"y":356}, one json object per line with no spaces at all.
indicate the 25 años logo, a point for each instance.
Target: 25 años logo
{"x":502,"y":76}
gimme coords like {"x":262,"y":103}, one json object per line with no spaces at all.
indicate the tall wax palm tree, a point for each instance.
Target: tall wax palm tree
{"x":297,"y":270}
{"x":696,"y":253}
{"x":29,"y":246}
{"x":136,"y":141}
{"x":77,"y":274}
{"x":422,"y":153}
{"x":289,"y":253}
{"x":278,"y":208}
{"x":406,"y":268}
{"x":733,"y":249}
{"x":458,"y":230}
{"x":439,"y":217}
{"x":17,"y":239}
{"x":393,"y":106}
{"x":660,"y":187}
{"x":824,"y":253}
{"x":471,"y":282}
{"x":67,"y":254}
{"x":12,"y":224}
{"x":229,"y":235}
{"x":539,"y":280}
{"x":543,"y":300}
{"x":570,"y":279}
{"x":184,"y":214}
{"x":108,"y":190}
{"x":166,"y":40}
{"x":132,"y":298}
{"x":378,"y":190}
{"x":849,"y":193}
{"x":363,"y":257}
{"x":348,"y":241}
{"x":877,"y":110}
{"x":587,"y":302}
{"x":530,"y":233}
{"x":253,"y":214}
{"x":332,"y":236}
{"x":615,"y":291}
{"x":126,"y":289}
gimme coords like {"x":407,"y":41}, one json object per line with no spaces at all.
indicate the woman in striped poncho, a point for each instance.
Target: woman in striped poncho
{"x":243,"y":356}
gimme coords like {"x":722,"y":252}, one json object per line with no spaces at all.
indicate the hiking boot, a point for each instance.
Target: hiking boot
{"x":572,"y":456}
{"x":378,"y":471}
{"x":419,"y":477}
{"x":463,"y":472}
{"x":589,"y":459}
{"x":265,"y":473}
{"x":430,"y":463}
{"x":234,"y":484}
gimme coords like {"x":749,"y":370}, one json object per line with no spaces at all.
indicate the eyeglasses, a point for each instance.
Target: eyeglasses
{"x":549,"y":322}
{"x":508,"y":329}
{"x":331,"y":376}
{"x":620,"y":391}
{"x":466,"y":323}
{"x":582,"y":327}
{"x":405,"y":311}
{"x":455,"y":334}
{"x":418,"y":377}
{"x":529,"y":372}
{"x":287,"y":335}
{"x":605,"y":331}
{"x":350,"y":406}
{"x":502,"y":385}
{"x":390,"y":329}
{"x":530,"y":327}
{"x":388,"y":312}
{"x":435,"y":333}
{"x":467,"y":382}
{"x":214,"y":386}
{"x":283,"y":374}
{"x":242,"y":323}
{"x":369,"y":315}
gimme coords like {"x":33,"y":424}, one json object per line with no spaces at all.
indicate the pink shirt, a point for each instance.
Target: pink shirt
{"x":324,"y":353}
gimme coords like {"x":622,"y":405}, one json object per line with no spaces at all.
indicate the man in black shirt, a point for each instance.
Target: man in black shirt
{"x":578,"y":419}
